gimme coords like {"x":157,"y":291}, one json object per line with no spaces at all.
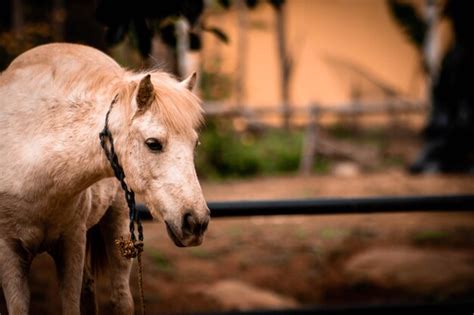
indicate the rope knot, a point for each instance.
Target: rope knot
{"x":129,"y":248}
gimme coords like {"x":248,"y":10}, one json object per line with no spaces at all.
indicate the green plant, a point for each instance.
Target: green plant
{"x":430,"y":237}
{"x":333,"y":233}
{"x":161,"y":261}
{"x":225,"y":153}
{"x":322,"y":165}
{"x":201,"y":253}
{"x":215,"y":85}
{"x":301,"y":234}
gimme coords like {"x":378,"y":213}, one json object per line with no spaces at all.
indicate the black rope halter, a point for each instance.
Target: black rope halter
{"x":128,"y":248}
{"x":109,"y":150}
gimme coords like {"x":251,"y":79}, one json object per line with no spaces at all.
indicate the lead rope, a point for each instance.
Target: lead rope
{"x":129,"y":248}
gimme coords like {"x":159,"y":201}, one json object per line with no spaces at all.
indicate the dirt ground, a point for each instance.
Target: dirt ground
{"x":280,"y":262}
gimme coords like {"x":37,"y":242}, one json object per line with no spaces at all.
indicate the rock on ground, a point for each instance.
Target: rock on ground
{"x":238,"y":295}
{"x":406,"y":268}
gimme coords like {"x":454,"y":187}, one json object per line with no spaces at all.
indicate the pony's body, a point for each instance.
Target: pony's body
{"x":53,"y":102}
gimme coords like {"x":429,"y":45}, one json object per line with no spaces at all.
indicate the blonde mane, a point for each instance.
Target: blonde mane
{"x":179,"y":108}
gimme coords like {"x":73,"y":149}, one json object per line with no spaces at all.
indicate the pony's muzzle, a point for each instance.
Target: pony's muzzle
{"x":192,"y":229}
{"x":194,"y":226}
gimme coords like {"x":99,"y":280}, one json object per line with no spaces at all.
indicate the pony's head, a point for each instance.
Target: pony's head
{"x":156,"y":139}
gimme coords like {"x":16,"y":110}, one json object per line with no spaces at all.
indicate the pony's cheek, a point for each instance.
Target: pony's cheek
{"x":154,"y":208}
{"x":156,"y":203}
{"x":133,"y":177}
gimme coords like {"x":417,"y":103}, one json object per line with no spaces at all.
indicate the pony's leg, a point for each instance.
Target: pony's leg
{"x":69,"y":255}
{"x":114,"y":225}
{"x":14,"y":267}
{"x":88,"y":293}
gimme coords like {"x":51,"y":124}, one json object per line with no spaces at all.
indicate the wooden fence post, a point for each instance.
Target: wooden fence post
{"x":308,"y":151}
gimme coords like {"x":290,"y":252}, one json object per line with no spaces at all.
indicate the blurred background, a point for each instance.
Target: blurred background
{"x":303,"y":99}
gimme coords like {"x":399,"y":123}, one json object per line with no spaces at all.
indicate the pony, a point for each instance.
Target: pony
{"x":54,"y":183}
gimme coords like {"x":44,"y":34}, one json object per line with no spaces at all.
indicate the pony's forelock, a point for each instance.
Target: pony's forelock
{"x":178,"y":108}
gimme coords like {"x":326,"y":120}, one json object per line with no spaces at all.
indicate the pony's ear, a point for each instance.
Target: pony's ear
{"x":145,"y":94}
{"x":190,"y":81}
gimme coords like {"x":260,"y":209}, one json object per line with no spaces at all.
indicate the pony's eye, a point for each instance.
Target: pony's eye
{"x":154,"y":144}
{"x":198,"y":143}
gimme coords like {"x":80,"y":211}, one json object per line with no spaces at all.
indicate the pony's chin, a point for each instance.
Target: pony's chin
{"x":193,"y":241}
{"x":173,"y":236}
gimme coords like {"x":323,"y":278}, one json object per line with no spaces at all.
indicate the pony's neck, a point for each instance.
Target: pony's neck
{"x":86,"y":161}
{"x":83,"y":161}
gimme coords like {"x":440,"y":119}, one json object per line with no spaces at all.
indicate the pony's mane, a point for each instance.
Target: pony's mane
{"x":179,"y":108}
{"x":91,"y":80}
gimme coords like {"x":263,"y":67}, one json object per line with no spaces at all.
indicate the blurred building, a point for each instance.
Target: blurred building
{"x":343,"y":50}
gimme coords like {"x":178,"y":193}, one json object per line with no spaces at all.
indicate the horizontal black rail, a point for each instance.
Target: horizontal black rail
{"x":446,"y":308}
{"x":336,"y":206}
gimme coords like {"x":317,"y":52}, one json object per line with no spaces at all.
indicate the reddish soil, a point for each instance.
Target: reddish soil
{"x":304,"y":259}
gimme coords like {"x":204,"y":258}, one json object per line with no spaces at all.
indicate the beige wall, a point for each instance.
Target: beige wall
{"x":360,"y":32}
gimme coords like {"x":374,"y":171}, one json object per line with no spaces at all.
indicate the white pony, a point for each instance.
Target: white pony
{"x":53,"y":103}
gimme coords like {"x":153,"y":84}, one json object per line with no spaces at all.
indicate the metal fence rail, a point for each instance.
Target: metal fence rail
{"x":336,"y":206}
{"x":461,"y":308}
{"x":333,"y":206}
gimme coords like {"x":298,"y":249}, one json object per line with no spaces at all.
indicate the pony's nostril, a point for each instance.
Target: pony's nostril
{"x":204,"y":225}
{"x":192,"y":225}
{"x":188,"y":223}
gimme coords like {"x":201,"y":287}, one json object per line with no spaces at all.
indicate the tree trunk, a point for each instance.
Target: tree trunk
{"x":431,"y":46}
{"x":58,"y":17}
{"x":308,"y":153}
{"x":17,"y":16}
{"x":240,"y":72}
{"x":182,"y":47}
{"x":162,"y":56}
{"x":285,"y":64}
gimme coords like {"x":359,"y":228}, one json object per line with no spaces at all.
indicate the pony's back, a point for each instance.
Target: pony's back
{"x":60,"y":68}
{"x":62,"y":56}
